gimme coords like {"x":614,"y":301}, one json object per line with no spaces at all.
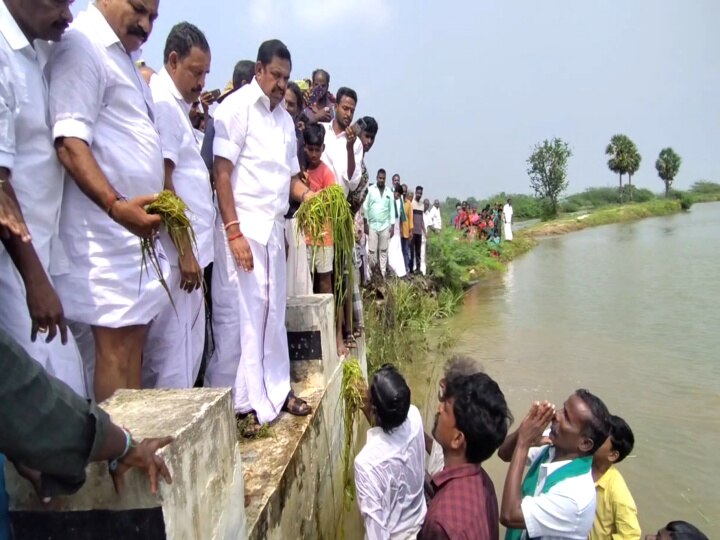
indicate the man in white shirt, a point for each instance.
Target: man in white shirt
{"x":175,"y":340}
{"x":343,"y":149}
{"x":507,"y":216}
{"x":435,"y":219}
{"x":256,"y":171}
{"x":27,"y":159}
{"x":557,"y":497}
{"x":390,"y":469}
{"x":103,"y":123}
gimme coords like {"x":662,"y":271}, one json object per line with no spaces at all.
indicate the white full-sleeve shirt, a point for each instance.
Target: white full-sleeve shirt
{"x":262,"y":145}
{"x":180,"y":145}
{"x":389,"y":476}
{"x":26,"y":144}
{"x":335,"y":156}
{"x":97,"y":94}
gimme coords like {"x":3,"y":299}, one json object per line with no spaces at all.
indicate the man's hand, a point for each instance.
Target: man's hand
{"x":350,"y":134}
{"x":323,"y":115}
{"x":11,"y":219}
{"x":535,"y":423}
{"x":132,"y":215}
{"x":45,"y":309}
{"x":206,"y":99}
{"x":144,"y":456}
{"x":242,"y":253}
{"x":191,"y":275}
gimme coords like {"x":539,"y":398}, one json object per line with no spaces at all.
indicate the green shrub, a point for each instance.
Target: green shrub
{"x":703,"y":187}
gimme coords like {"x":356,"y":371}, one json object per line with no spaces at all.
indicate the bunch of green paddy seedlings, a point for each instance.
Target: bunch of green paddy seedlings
{"x":173,"y":213}
{"x":351,"y":389}
{"x":329,"y":211}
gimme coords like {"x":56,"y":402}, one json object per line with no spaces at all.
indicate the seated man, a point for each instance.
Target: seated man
{"x":389,"y":469}
{"x":557,"y":497}
{"x":678,"y":530}
{"x":472,"y":422}
{"x":616,"y":512}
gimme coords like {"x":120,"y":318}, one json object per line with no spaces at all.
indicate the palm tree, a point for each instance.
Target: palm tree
{"x":668,"y":165}
{"x":633,"y":163}
{"x":622,"y":152}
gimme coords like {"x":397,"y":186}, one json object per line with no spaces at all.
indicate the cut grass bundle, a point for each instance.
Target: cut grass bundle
{"x":352,"y":396}
{"x":173,"y":213}
{"x":329,"y":211}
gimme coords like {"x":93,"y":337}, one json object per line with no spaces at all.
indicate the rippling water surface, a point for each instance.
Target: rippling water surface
{"x":631,"y":312}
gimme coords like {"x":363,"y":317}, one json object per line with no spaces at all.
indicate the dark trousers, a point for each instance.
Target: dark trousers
{"x":415,"y":253}
{"x":405,"y":245}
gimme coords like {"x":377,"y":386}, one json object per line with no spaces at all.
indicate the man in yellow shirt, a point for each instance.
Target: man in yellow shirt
{"x":615,"y":512}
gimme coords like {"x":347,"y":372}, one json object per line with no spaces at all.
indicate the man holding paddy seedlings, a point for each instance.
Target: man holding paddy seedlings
{"x":176,"y":338}
{"x":102,"y":116}
{"x":321,"y":252}
{"x":256,"y":171}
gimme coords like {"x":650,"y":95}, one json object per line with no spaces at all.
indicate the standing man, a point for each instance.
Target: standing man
{"x":507,"y":217}
{"x":434,"y":217}
{"x":471,"y":423}
{"x":175,"y":341}
{"x":395,"y":182}
{"x":380,"y":219}
{"x":102,"y":115}
{"x":557,"y":497}
{"x":418,"y":231}
{"x":31,"y":177}
{"x":343,"y":149}
{"x":427,"y":219}
{"x":256,"y":172}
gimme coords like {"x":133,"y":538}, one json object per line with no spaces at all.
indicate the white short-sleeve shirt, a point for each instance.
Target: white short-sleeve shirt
{"x":26,"y":144}
{"x":262,"y":145}
{"x":181,"y":146}
{"x":389,"y":478}
{"x":567,"y":510}
{"x":335,"y":156}
{"x":98,"y":95}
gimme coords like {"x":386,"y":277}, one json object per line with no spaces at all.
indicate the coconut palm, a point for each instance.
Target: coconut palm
{"x":668,"y":165}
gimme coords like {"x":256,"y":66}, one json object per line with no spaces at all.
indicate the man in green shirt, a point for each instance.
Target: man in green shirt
{"x":380,"y":219}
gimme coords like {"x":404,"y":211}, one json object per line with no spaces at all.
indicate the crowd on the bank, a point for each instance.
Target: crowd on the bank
{"x":562,"y":480}
{"x":492,"y":224}
{"x":88,"y":138}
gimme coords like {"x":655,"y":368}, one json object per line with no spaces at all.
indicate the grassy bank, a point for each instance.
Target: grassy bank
{"x":605,"y":216}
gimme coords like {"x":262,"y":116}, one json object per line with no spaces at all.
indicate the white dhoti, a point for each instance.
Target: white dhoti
{"x":251,"y":350}
{"x":423,"y":249}
{"x":395,"y":254}
{"x":507,"y":231}
{"x":299,"y":281}
{"x":60,"y":361}
{"x":175,"y":339}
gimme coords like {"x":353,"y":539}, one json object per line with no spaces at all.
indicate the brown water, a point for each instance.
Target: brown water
{"x":631,"y":312}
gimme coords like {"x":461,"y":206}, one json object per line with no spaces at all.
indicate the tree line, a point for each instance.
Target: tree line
{"x":547,"y":167}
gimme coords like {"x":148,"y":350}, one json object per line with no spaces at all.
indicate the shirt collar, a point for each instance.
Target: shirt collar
{"x":259,"y":95}
{"x":11,"y":31}
{"x":329,"y":128}
{"x":604,"y":480}
{"x":453,"y":473}
{"x":170,"y":85}
{"x":99,"y":25}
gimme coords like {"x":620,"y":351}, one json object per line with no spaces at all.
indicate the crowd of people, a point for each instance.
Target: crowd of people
{"x":492,"y":224}
{"x":88,"y":138}
{"x":562,"y":480}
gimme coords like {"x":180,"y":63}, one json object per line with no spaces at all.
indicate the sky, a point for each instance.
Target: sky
{"x":463,"y":89}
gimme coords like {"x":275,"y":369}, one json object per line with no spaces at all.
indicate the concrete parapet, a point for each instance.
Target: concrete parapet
{"x":204,"y":501}
{"x":310,"y":324}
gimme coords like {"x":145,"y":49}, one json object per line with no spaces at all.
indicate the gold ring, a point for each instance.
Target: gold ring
{"x":42,"y":330}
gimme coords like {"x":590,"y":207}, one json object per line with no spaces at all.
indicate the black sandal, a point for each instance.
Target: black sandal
{"x":295,"y":405}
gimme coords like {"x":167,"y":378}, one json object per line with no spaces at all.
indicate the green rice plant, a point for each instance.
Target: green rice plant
{"x":351,"y":390}
{"x":173,"y":214}
{"x":329,"y":213}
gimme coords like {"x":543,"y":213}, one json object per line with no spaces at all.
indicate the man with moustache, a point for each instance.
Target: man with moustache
{"x":103,"y":124}
{"x":31,"y":176}
{"x":557,"y":497}
{"x":175,"y":341}
{"x":256,"y":172}
{"x":343,"y":149}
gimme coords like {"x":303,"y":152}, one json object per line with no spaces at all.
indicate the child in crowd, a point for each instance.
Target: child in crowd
{"x":321,"y":251}
{"x":615,"y":511}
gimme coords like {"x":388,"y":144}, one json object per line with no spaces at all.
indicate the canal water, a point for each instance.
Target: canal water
{"x":631,"y":312}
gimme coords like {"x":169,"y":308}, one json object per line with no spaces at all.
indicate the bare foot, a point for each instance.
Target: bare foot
{"x":343,"y":351}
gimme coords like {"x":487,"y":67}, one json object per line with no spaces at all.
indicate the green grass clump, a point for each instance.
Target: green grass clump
{"x":329,"y":211}
{"x":173,"y":213}
{"x":351,"y":389}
